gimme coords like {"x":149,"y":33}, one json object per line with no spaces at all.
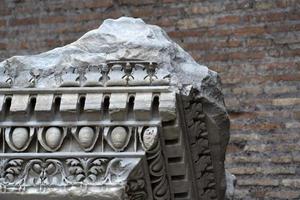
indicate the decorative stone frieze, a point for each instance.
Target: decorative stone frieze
{"x":121,"y":113}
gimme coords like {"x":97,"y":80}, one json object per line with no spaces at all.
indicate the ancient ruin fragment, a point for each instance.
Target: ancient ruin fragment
{"x":121,"y":113}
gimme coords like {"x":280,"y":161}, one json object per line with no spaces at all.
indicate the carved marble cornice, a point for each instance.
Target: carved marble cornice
{"x":78,"y":139}
{"x":115,"y":115}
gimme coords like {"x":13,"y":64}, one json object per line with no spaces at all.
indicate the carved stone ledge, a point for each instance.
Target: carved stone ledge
{"x":44,"y":107}
{"x":108,"y":74}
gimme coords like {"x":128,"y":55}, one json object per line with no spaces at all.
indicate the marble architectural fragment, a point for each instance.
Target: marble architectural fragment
{"x":121,"y":113}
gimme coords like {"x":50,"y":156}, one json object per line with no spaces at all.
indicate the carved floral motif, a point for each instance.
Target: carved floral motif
{"x":136,"y":185}
{"x":19,"y":174}
{"x":156,"y":163}
{"x":86,"y":170}
{"x":201,"y":153}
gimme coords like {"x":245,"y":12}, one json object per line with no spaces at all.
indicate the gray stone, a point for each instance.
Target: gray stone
{"x":230,"y":185}
{"x":121,"y":113}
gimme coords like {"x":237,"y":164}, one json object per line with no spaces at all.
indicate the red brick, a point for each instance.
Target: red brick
{"x":294,"y":15}
{"x":215,"y":57}
{"x":254,"y":42}
{"x":239,"y":115}
{"x":266,"y":17}
{"x":288,"y":77}
{"x":165,"y":22}
{"x":2,"y":46}
{"x":291,"y":53}
{"x":219,"y":32}
{"x":262,"y":126}
{"x":53,"y":19}
{"x":265,"y":5}
{"x":277,"y":65}
{"x":274,"y":17}
{"x":213,"y":45}
{"x":4,"y":11}
{"x":192,"y":23}
{"x":231,"y":43}
{"x":23,"y":21}
{"x":136,"y":2}
{"x":260,"y":182}
{"x":231,"y":148}
{"x":187,"y":33}
{"x":258,"y":193}
{"x":246,"y":55}
{"x":23,"y":45}
{"x":167,"y":11}
{"x":282,"y":159}
{"x":76,"y":18}
{"x":286,"y":101}
{"x":142,"y":13}
{"x":2,"y":22}
{"x":215,"y":7}
{"x":97,"y":4}
{"x":243,"y":170}
{"x":53,"y":43}
{"x":199,"y":46}
{"x":245,"y":160}
{"x":178,"y":1}
{"x":3,"y":33}
{"x":228,"y":20}
{"x":255,"y":90}
{"x":248,"y":31}
{"x":284,"y":194}
{"x":271,"y":28}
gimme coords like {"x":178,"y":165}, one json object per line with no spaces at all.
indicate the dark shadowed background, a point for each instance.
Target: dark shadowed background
{"x":254,"y":45}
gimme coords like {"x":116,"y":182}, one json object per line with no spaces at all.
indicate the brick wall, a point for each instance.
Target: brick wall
{"x":254,"y":45}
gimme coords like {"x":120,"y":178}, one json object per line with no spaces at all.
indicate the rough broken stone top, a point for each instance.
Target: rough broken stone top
{"x":121,"y":52}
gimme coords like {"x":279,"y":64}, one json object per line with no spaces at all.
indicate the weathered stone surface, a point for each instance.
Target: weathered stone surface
{"x":230,"y":183}
{"x":124,"y":38}
{"x":126,"y":107}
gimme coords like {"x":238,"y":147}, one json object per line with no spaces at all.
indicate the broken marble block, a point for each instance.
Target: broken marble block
{"x":121,"y":113}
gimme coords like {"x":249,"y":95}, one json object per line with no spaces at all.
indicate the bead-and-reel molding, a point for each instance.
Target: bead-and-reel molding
{"x":115,"y":138}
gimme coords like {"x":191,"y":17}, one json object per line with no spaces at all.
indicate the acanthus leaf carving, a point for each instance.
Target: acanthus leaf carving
{"x":19,"y":174}
{"x":136,"y":188}
{"x":156,"y":162}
